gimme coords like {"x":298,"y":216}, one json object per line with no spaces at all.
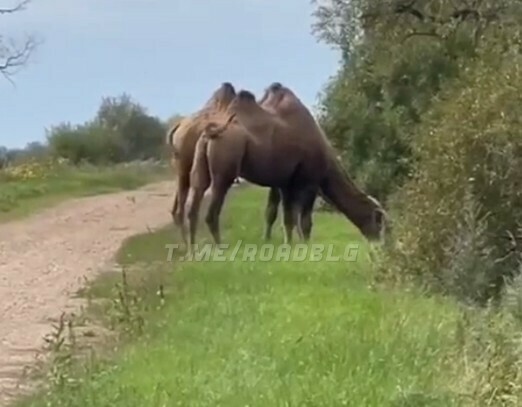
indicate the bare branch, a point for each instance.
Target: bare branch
{"x":408,"y":8}
{"x":12,"y":56}
{"x":20,"y":6}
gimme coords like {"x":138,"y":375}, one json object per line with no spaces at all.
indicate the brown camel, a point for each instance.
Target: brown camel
{"x":182,"y":138}
{"x":287,"y":151}
{"x":282,"y":101}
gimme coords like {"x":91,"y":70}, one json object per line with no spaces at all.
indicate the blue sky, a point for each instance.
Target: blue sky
{"x":169,"y":55}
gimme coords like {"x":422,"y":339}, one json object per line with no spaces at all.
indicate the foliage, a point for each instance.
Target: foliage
{"x":397,"y":56}
{"x":121,"y":131}
{"x":33,"y":185}
{"x":261,"y":333}
{"x":469,"y":152}
{"x":32,"y":169}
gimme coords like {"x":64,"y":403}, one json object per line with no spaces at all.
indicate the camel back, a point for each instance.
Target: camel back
{"x":216,"y":105}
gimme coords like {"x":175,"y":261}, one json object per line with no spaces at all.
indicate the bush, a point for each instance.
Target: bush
{"x":455,"y":221}
{"x":121,"y":131}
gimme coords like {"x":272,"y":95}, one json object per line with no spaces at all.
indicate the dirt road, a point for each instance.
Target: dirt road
{"x":45,"y":258}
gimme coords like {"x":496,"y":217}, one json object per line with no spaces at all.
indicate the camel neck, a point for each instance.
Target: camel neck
{"x":345,"y":196}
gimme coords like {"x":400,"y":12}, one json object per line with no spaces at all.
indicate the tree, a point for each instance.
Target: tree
{"x":13,"y":54}
{"x":121,"y":131}
{"x":398,"y":54}
{"x":115,"y":112}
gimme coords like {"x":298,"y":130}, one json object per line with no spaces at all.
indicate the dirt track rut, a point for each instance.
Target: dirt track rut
{"x":45,"y":258}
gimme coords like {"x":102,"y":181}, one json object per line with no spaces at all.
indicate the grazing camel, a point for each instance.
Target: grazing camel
{"x":182,"y":138}
{"x":287,"y":151}
{"x":280,"y":100}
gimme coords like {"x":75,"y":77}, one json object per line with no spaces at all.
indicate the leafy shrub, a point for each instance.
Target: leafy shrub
{"x":121,"y":131}
{"x":456,"y":220}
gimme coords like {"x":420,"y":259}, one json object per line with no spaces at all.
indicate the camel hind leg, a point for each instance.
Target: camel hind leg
{"x":274,"y":198}
{"x":199,"y":182}
{"x":297,"y":208}
{"x":179,"y":205}
{"x":218,"y":191}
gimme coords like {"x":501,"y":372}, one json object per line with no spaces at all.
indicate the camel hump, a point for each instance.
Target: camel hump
{"x":245,"y":95}
{"x":275,"y":86}
{"x":228,"y":86}
{"x":221,"y":97}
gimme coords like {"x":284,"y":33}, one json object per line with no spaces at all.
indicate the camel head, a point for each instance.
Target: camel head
{"x":374,"y":225}
{"x":222,"y":96}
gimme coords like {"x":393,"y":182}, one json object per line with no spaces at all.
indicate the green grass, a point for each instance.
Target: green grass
{"x":20,"y":198}
{"x":268,"y":333}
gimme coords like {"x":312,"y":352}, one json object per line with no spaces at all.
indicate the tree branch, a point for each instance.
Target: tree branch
{"x":12,"y":56}
{"x":20,"y":6}
{"x":408,"y":8}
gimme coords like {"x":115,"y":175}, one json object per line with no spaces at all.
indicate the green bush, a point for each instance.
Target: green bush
{"x":371,"y":108}
{"x":456,"y":222}
{"x":121,"y":131}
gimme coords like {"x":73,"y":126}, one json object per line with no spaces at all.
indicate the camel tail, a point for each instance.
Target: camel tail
{"x":170,"y":134}
{"x":201,"y":164}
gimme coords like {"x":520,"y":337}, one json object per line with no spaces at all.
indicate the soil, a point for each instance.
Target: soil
{"x":47,"y":257}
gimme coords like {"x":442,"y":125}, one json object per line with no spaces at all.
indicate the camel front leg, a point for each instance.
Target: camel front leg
{"x":290,"y":214}
{"x":274,"y":198}
{"x":307,"y":205}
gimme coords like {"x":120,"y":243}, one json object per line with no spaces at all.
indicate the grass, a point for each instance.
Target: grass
{"x":19,"y":198}
{"x":254,"y":333}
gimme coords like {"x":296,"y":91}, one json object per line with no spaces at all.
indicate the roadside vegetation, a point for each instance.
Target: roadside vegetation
{"x":261,"y":333}
{"x":34,"y":185}
{"x":122,"y":147}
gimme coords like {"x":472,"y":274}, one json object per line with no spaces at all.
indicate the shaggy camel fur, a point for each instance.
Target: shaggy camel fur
{"x":287,"y":151}
{"x":182,"y":139}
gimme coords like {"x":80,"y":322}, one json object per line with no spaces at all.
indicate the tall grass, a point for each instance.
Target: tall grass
{"x":260,"y":333}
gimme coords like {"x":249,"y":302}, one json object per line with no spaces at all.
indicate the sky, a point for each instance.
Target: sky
{"x":169,"y":55}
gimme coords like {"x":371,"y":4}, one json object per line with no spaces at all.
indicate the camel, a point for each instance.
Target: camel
{"x":182,"y":138}
{"x":279,"y":146}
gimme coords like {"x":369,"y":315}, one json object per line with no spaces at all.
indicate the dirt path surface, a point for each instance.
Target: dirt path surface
{"x":44,"y":259}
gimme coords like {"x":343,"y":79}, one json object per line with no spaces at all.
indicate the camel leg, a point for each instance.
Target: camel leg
{"x":290,"y":213}
{"x":218,"y":191}
{"x":274,"y":198}
{"x":307,"y":206}
{"x":174,"y":207}
{"x":195,"y":198}
{"x":179,"y":205}
{"x":199,"y":182}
